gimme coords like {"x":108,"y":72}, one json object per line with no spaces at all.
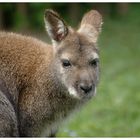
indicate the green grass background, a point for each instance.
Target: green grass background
{"x":115,"y":111}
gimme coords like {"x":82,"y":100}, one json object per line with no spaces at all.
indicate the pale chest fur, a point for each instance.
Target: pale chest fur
{"x":59,"y":116}
{"x":60,"y":109}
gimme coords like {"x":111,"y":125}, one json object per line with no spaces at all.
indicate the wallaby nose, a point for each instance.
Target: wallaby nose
{"x":85,"y":88}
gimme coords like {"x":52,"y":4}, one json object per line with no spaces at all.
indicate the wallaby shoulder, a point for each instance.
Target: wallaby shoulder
{"x":19,"y":51}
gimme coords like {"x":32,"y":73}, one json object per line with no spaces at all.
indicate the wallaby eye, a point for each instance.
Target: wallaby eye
{"x":94,"y":62}
{"x":66,"y":63}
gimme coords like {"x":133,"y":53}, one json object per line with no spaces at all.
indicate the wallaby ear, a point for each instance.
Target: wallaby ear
{"x":55,"y":26}
{"x":91,"y":25}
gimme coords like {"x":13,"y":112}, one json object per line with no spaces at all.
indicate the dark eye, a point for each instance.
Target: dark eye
{"x":66,"y":63}
{"x":94,"y":62}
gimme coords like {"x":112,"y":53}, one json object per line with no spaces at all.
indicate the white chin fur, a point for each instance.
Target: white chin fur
{"x":73,"y":92}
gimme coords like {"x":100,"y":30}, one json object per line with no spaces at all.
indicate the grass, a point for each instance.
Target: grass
{"x":115,"y":110}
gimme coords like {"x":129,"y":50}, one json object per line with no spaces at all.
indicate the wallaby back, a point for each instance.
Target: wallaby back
{"x":40,"y":84}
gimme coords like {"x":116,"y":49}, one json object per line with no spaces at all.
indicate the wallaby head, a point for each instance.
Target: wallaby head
{"x":76,"y":56}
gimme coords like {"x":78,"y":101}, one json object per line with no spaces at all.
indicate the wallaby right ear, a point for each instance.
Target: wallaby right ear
{"x":91,"y":25}
{"x":55,"y":26}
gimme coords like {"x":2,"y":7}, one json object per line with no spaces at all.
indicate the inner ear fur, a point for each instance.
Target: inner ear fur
{"x":55,"y":25}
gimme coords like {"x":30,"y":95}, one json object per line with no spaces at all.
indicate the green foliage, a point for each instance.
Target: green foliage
{"x":30,"y":15}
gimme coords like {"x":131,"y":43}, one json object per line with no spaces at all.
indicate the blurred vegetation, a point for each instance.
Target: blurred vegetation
{"x":115,"y":109}
{"x":21,"y":16}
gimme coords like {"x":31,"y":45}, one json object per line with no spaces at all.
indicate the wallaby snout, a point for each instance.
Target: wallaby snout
{"x":87,"y":85}
{"x":86,"y":88}
{"x":87,"y":82}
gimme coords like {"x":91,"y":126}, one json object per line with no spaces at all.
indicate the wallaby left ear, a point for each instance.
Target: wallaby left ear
{"x":91,"y":25}
{"x":55,"y":26}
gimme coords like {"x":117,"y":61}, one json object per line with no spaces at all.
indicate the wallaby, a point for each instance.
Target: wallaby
{"x":42,"y":84}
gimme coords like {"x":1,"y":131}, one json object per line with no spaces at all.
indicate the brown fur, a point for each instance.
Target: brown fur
{"x":29,"y":73}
